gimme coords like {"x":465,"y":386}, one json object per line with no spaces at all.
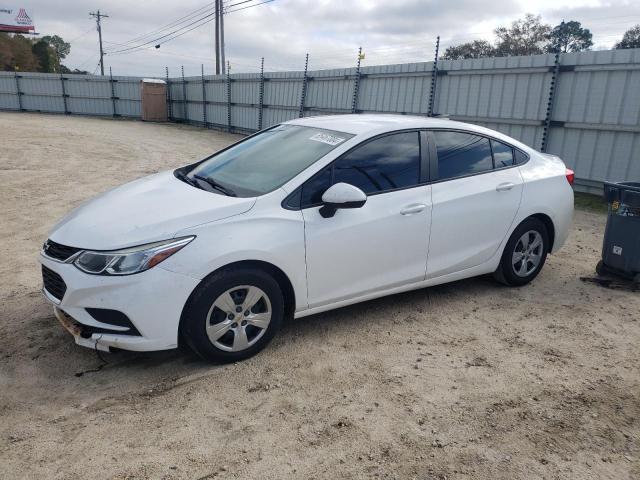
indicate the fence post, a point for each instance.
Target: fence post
{"x":228,"y":97}
{"x":261,"y":94}
{"x":356,"y":84}
{"x":204,"y":97}
{"x":184,"y":97}
{"x":113,"y":93}
{"x":169,"y":106}
{"x":18,"y":92}
{"x":64,"y":95}
{"x":434,"y":79}
{"x":552,"y":91}
{"x":303,"y":94}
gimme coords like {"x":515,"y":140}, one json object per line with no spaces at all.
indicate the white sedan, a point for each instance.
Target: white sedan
{"x":303,"y":217}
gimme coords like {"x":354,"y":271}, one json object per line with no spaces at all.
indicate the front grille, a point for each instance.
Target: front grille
{"x":53,"y":283}
{"x":58,"y":251}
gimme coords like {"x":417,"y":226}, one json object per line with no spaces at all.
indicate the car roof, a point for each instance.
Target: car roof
{"x":376,"y":123}
{"x":358,"y":124}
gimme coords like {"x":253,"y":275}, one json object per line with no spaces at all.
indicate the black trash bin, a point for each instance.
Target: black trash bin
{"x":621,"y":245}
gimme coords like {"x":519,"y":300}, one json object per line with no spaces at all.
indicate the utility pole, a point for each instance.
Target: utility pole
{"x":222,"y":61}
{"x":98,"y":17}
{"x":217,"y":33}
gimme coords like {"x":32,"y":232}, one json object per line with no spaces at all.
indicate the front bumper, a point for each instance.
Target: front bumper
{"x":153,"y":300}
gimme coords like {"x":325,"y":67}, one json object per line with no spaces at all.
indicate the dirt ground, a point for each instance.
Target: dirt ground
{"x":466,"y":380}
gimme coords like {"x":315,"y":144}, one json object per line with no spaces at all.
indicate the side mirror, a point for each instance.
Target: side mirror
{"x":341,"y":195}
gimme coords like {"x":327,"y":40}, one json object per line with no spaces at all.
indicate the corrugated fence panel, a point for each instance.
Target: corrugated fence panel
{"x":127,"y":91}
{"x":597,"y":115}
{"x":331,"y":90}
{"x":395,"y":88}
{"x":41,"y":92}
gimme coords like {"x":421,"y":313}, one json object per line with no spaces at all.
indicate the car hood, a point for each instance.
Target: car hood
{"x":147,"y":210}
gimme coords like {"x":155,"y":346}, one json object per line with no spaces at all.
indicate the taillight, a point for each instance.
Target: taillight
{"x":571,"y":176}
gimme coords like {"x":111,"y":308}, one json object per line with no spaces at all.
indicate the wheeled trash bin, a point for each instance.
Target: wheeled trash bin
{"x":621,"y":245}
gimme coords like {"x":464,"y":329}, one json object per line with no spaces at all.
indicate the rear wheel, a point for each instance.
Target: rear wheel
{"x":233,"y":315}
{"x":525,"y":253}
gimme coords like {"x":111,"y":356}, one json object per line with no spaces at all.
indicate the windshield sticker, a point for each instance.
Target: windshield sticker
{"x":326,"y":138}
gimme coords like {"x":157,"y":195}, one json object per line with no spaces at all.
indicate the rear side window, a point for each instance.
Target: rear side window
{"x":502,"y":154}
{"x":387,"y":163}
{"x":520,"y":157}
{"x":462,"y":154}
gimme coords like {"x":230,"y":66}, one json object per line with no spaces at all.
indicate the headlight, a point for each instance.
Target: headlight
{"x":129,"y":260}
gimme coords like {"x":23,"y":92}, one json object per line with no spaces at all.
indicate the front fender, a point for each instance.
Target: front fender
{"x":278,"y":240}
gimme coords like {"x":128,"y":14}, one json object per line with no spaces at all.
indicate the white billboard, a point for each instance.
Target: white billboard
{"x":15,"y":19}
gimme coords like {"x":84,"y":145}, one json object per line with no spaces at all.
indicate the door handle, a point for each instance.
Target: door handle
{"x":505,"y":187}
{"x":413,"y":209}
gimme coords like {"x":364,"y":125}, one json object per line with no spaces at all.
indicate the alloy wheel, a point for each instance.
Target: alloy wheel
{"x":527,"y":253}
{"x":238,"y":318}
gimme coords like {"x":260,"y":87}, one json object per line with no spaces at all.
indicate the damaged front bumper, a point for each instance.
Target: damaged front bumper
{"x":151,"y":301}
{"x":82,"y":337}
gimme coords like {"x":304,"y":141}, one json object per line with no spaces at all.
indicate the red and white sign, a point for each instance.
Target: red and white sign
{"x":15,"y":20}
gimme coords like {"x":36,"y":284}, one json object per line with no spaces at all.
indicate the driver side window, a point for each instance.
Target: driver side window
{"x":386,"y":163}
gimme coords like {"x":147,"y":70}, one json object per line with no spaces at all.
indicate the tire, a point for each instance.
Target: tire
{"x":511,"y":271}
{"x":221,"y":331}
{"x":600,"y":268}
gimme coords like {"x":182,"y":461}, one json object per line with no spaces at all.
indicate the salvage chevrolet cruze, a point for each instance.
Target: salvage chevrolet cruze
{"x":303,"y":217}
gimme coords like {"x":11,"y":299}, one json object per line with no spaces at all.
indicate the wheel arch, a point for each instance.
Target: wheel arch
{"x":283,"y":280}
{"x":548,"y":223}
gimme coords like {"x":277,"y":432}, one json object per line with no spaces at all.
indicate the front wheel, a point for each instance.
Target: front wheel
{"x":525,"y":253}
{"x":233,"y":315}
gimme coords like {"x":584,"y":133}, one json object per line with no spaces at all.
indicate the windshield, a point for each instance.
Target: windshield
{"x":265,"y":161}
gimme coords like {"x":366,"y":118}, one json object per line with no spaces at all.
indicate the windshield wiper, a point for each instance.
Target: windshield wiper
{"x":212,"y":183}
{"x":183,"y":176}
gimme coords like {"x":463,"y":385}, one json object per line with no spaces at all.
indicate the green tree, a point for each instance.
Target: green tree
{"x":45,"y":55}
{"x":475,"y":49}
{"x":569,"y":37}
{"x":630,"y":39}
{"x":60,"y":47}
{"x":526,"y":36}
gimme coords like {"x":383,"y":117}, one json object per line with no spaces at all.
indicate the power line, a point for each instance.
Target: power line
{"x":178,"y":32}
{"x":226,"y":7}
{"x":81,"y":35}
{"x":155,"y":40}
{"x":208,"y":8}
{"x":149,"y":45}
{"x":182,"y":19}
{"x":249,"y":6}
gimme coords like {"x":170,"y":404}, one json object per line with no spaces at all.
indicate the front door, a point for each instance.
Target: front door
{"x":380,"y":245}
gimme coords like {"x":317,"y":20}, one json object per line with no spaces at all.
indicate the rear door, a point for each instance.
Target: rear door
{"x":476,"y":195}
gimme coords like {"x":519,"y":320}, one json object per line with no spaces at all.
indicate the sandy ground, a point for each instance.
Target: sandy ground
{"x":467,"y":380}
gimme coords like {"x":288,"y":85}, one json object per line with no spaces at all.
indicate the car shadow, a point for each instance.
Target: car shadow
{"x":147,"y":368}
{"x":422,"y":299}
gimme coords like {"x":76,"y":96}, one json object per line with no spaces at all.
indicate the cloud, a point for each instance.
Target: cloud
{"x":330,"y":30}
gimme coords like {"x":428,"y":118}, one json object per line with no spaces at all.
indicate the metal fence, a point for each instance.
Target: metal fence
{"x":584,"y":107}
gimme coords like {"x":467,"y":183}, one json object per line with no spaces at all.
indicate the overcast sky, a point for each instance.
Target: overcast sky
{"x":390,"y":31}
